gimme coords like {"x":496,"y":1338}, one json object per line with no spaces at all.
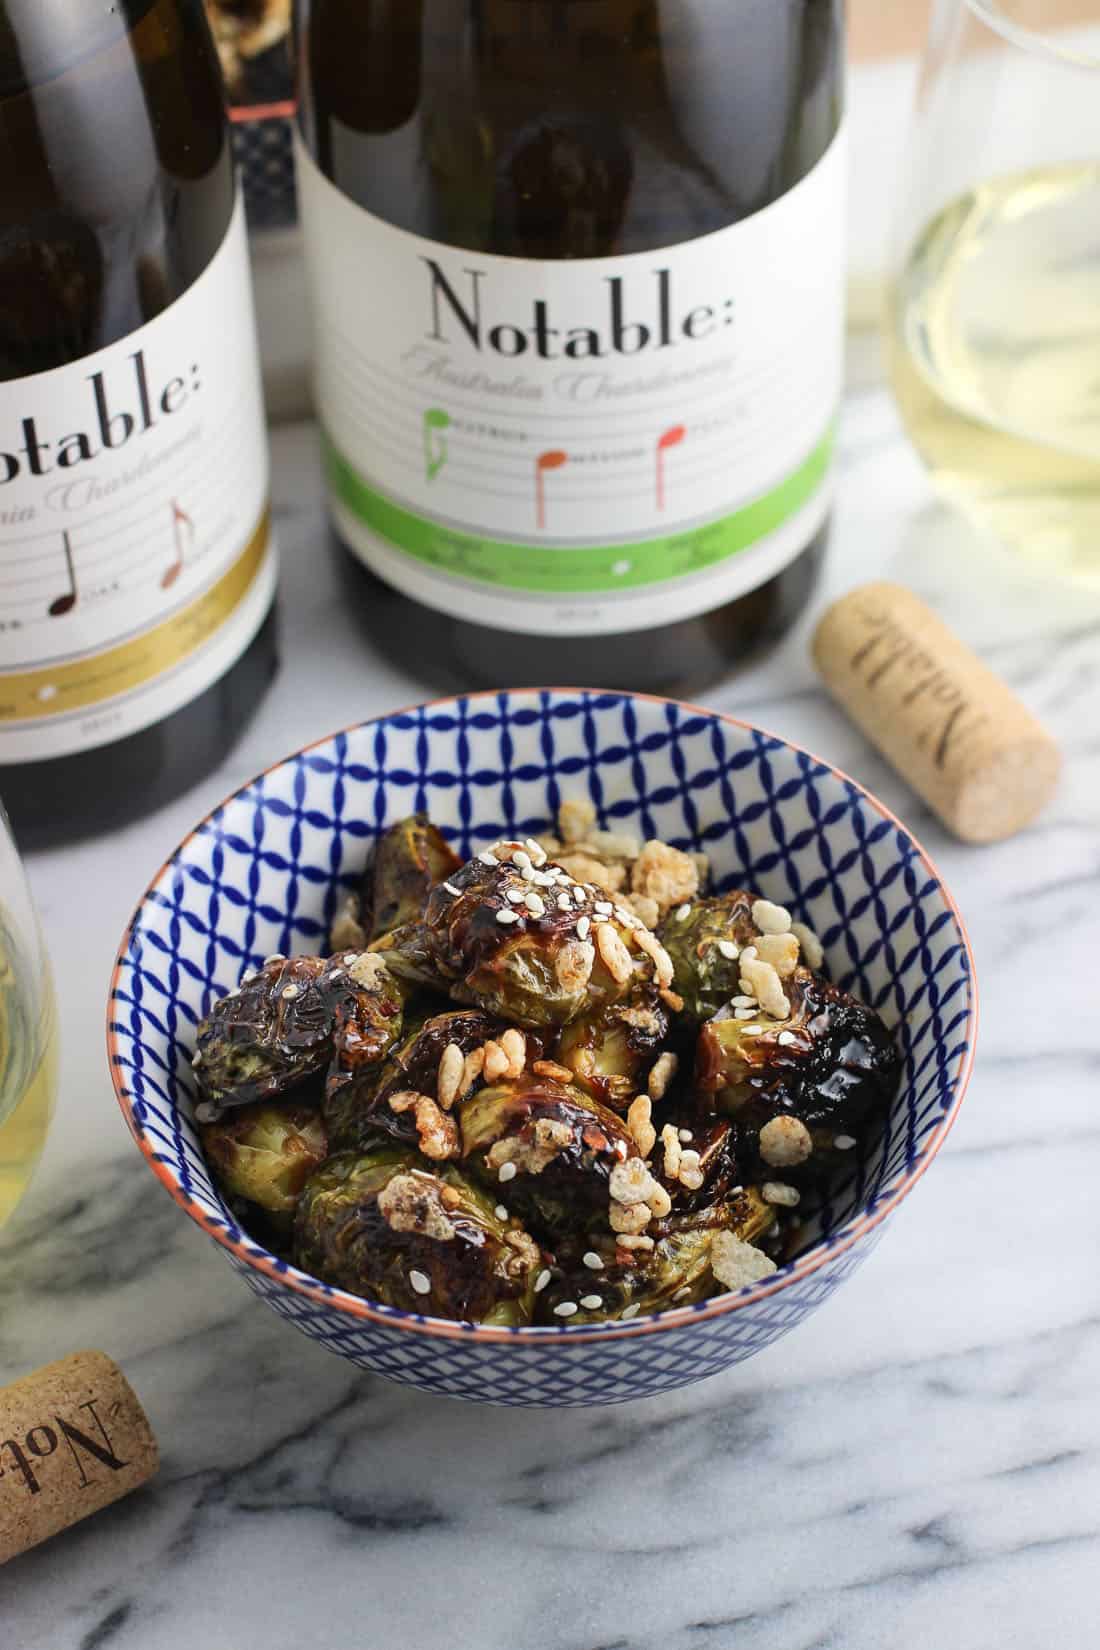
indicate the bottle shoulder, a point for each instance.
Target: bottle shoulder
{"x":595,"y":136}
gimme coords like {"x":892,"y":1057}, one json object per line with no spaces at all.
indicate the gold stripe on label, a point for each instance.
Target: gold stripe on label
{"x":52,"y":691}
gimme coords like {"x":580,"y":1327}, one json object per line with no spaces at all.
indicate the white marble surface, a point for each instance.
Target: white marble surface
{"x":916,"y":1468}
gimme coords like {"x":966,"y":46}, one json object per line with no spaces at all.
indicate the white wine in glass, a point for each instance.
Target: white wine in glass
{"x":28,"y":1032}
{"x":995,"y":310}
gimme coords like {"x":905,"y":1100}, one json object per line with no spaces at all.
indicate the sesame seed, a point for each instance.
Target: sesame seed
{"x":421,"y":1282}
{"x":535,"y":906}
{"x":751,"y":1031}
{"x":686,"y":1135}
{"x":844,"y":1142}
{"x":501,"y":1212}
{"x":507,"y":1172}
{"x":542,"y":1280}
{"x":505,"y":917}
{"x":488,"y":859}
{"x":745,"y":1013}
{"x":564,"y":903}
{"x":683,"y":913}
{"x":591,"y":1303}
{"x":598,"y":917}
{"x":451,"y":889}
{"x":583,"y":928}
{"x":579,"y":895}
{"x":514,"y":896}
{"x":275,"y":957}
{"x":521,"y":859}
{"x":775,"y":1191}
{"x":680,"y":1293}
{"x":744,"y":1002}
{"x":337,"y":974}
{"x":207,"y":1112}
{"x":537,"y":853}
{"x":730,"y":951}
{"x":593,"y":1261}
{"x":196,"y":1058}
{"x":604,"y":907}
{"x":289,"y":992}
{"x":786,"y":1038}
{"x":630,"y":1311}
{"x":565,"y":1309}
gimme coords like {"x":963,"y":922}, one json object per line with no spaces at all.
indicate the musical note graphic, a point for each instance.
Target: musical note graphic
{"x":671,"y":438}
{"x":552,"y":460}
{"x":435,"y":446}
{"x":183,"y":529}
{"x":66,"y":603}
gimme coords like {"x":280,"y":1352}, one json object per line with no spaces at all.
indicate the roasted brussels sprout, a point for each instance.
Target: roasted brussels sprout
{"x":611,"y":1051}
{"x":265,"y":1153}
{"x":386,"y":1226}
{"x":675,"y":1272}
{"x":832,"y":1066}
{"x":287,"y":1022}
{"x":409,"y":859}
{"x":527,"y":943}
{"x":712,"y":1143}
{"x":545,"y":1150}
{"x":358,"y":1110}
{"x":704,"y":940}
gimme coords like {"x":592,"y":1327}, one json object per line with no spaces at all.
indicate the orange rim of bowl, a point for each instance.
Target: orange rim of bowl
{"x":354,"y":1306}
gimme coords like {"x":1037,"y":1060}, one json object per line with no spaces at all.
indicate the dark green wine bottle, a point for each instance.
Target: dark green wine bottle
{"x":577,"y":270}
{"x":136,"y":568}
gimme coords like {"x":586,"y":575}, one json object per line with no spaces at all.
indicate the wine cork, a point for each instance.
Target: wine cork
{"x":952,"y":728}
{"x":73,"y":1438}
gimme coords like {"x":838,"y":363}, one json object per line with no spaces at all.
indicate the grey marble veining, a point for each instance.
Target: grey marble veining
{"x":916,"y":1468}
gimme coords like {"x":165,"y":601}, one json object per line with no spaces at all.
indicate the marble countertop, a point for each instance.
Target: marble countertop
{"x":917,"y":1466}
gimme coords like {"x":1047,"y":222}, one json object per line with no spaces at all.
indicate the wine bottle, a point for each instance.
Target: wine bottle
{"x":137,"y":571}
{"x":577,"y":279}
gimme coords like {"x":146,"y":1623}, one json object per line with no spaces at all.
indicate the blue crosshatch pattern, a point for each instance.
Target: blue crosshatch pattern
{"x":265,"y":873}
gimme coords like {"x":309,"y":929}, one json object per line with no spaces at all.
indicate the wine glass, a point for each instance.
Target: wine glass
{"x":994,"y":311}
{"x":28,"y":1030}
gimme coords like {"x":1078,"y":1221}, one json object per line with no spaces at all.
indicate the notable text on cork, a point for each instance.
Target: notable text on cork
{"x":955,"y":731}
{"x":73,"y":1438}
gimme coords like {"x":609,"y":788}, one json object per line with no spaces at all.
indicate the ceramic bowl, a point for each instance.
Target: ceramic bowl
{"x":263,"y":873}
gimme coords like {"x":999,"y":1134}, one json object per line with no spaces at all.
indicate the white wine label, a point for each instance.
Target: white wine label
{"x":579,"y":446}
{"x":135,"y":559}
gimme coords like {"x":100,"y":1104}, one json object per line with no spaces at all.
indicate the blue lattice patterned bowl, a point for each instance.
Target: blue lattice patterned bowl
{"x":264,"y":873}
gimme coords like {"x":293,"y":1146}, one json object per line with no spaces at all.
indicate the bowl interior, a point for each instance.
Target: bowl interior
{"x":265,"y":871}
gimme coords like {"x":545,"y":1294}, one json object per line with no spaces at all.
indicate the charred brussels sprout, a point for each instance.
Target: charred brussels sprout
{"x":531,"y":951}
{"x":284,"y":1024}
{"x":409,"y":859}
{"x":406,"y":952}
{"x":265,"y":1153}
{"x":612,"y":1051}
{"x":675,"y":1272}
{"x":832,"y":1066}
{"x":545,"y":1149}
{"x":704,"y":943}
{"x":385,"y":1226}
{"x":713,"y":1141}
{"x":357,"y":1110}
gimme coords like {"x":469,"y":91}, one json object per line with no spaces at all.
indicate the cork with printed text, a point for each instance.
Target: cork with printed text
{"x":73,"y":1438}
{"x":952,"y":728}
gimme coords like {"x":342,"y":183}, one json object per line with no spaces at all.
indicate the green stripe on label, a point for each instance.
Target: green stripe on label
{"x":583,"y":569}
